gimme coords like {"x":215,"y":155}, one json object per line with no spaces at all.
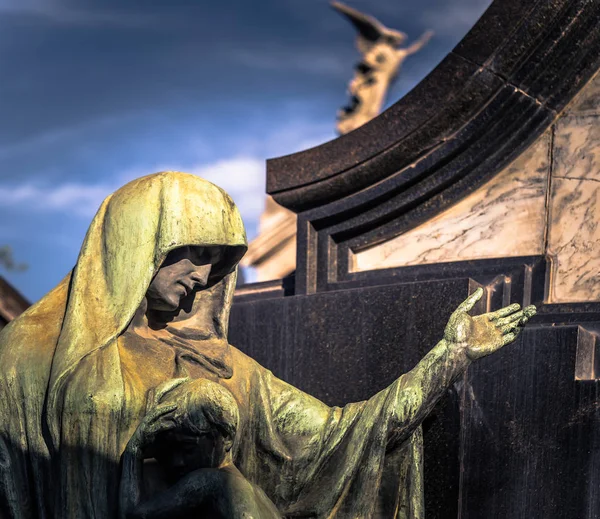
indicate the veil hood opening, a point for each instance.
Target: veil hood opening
{"x":127,"y":241}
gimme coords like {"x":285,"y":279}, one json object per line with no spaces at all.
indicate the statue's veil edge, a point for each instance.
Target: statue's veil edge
{"x":127,"y":241}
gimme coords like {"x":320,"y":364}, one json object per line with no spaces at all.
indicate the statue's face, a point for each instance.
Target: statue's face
{"x":184,"y":270}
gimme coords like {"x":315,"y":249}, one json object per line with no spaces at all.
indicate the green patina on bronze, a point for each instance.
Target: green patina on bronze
{"x":78,"y":369}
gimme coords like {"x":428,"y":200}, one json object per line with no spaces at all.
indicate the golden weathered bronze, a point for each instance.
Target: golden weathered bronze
{"x":114,"y":354}
{"x":190,"y":429}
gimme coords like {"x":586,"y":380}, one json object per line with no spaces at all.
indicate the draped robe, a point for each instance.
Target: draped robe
{"x":75,"y":380}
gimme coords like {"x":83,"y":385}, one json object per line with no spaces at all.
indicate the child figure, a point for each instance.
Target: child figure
{"x":191,"y":435}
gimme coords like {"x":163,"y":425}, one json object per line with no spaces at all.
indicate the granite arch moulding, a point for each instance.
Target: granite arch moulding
{"x":497,"y":92}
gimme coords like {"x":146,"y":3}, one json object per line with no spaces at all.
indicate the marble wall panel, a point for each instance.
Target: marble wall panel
{"x":574,"y":233}
{"x":505,"y":217}
{"x":546,"y":202}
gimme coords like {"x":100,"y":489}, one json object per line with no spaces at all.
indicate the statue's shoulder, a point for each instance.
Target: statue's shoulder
{"x":248,"y":375}
{"x":241,"y":360}
{"x":36,"y":330}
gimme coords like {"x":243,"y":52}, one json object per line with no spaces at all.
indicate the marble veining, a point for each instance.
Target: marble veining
{"x":588,"y":100}
{"x":574,"y":234}
{"x":505,"y":217}
{"x":546,"y":202}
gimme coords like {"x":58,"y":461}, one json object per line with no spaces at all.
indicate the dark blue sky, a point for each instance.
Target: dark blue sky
{"x":97,"y":92}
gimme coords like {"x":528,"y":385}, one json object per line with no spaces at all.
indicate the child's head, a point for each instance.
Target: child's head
{"x":206,"y":421}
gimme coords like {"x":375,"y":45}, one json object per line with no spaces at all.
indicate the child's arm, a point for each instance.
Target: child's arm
{"x":130,"y":491}
{"x":132,"y":468}
{"x":224,"y":492}
{"x":197,"y":491}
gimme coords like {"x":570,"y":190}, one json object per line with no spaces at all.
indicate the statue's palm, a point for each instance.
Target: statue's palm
{"x":486,"y":333}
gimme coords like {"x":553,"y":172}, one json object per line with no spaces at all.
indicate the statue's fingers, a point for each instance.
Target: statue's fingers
{"x":513,"y":324}
{"x":507,"y":328}
{"x":470,"y":301}
{"x":510,"y":337}
{"x":517,"y":316}
{"x":164,"y":426}
{"x":163,"y":389}
{"x":521,"y":317}
{"x":150,"y":400}
{"x":165,"y":409}
{"x":503,"y":312}
{"x":159,"y":412}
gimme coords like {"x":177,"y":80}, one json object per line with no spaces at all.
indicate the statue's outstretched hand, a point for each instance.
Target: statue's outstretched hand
{"x":484,"y":334}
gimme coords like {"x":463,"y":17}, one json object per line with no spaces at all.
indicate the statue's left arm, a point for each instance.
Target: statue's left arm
{"x":299,"y":446}
{"x":412,"y":396}
{"x":465,"y":339}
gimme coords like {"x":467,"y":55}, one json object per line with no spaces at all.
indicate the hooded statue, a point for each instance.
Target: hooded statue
{"x":76,"y":378}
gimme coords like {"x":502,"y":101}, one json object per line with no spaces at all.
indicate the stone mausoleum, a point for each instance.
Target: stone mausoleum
{"x":487,"y":174}
{"x":484,"y":176}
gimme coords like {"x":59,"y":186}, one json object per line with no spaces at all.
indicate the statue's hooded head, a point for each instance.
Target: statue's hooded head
{"x":128,"y":240}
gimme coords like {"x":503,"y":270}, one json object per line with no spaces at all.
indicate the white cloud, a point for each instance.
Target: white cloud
{"x":78,"y":199}
{"x":242,"y":175}
{"x":243,"y":178}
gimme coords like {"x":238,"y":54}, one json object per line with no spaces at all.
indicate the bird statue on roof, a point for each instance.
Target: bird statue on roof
{"x":382,"y":56}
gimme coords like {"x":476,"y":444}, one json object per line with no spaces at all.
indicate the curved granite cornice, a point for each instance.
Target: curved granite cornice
{"x":495,"y":93}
